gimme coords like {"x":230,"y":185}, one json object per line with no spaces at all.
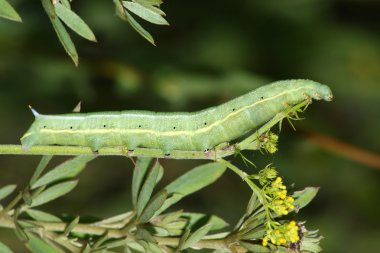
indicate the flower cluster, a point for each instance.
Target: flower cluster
{"x":266,"y":174}
{"x":280,"y":203}
{"x":269,"y":142}
{"x":283,"y":234}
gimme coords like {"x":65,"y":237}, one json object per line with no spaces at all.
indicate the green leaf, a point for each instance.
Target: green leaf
{"x":145,"y":235}
{"x":151,"y":6}
{"x":192,"y":181}
{"x":42,"y":216}
{"x":4,"y":248}
{"x":100,"y":241}
{"x":86,"y":249}
{"x":281,"y":249}
{"x":139,"y":28}
{"x":252,"y":204}
{"x":149,"y":2}
{"x":71,"y":226}
{"x":61,"y":32}
{"x":5,"y":191}
{"x":66,"y":170}
{"x":195,"y":218}
{"x":65,"y":40}
{"x":54,"y":192}
{"x":145,"y":13}
{"x":221,"y":251}
{"x":174,"y":198}
{"x":72,"y":20}
{"x":302,"y":198}
{"x":139,"y":172}
{"x":119,"y":9}
{"x":8,"y":12}
{"x":254,"y":234}
{"x":147,"y":188}
{"x":49,"y":8}
{"x":66,"y":3}
{"x":27,"y":196}
{"x":20,"y":232}
{"x":153,"y":205}
{"x":37,"y":245}
{"x":183,"y":238}
{"x":196,"y":236}
{"x":254,"y":247}
{"x":169,"y":217}
{"x":40,"y":168}
{"x":160,"y":174}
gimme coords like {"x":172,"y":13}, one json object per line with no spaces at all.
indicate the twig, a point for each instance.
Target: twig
{"x":344,"y":149}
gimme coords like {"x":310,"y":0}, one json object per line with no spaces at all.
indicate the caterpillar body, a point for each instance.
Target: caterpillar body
{"x":200,"y":130}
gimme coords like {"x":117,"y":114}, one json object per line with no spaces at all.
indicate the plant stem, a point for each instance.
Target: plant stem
{"x":259,"y":193}
{"x":250,"y":143}
{"x":91,"y":229}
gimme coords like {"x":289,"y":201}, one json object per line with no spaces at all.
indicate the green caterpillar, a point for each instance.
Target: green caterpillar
{"x":202,"y":130}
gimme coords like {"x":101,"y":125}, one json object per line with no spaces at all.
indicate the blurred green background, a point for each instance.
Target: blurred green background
{"x":213,"y":51}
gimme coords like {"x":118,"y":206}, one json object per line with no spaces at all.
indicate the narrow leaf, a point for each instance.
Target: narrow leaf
{"x":54,"y":192}
{"x":42,"y":216}
{"x":37,"y":245}
{"x":145,"y":13}
{"x":40,"y":168}
{"x":138,"y":176}
{"x":61,"y":32}
{"x":254,"y":247}
{"x":147,"y":188}
{"x":153,"y":205}
{"x":174,"y":198}
{"x":5,"y":191}
{"x":151,"y":6}
{"x":221,"y":251}
{"x":254,"y":234}
{"x":8,"y":12}
{"x":100,"y":240}
{"x":192,"y":181}
{"x":183,"y":238}
{"x":66,"y":3}
{"x":66,"y":170}
{"x":71,"y":226}
{"x":4,"y":248}
{"x":196,"y":236}
{"x":160,"y":174}
{"x":252,"y":204}
{"x":49,"y":8}
{"x":196,"y":218}
{"x":145,"y":235}
{"x":72,"y":20}
{"x":20,"y":232}
{"x":169,"y":217}
{"x":27,"y":197}
{"x":139,"y":28}
{"x":119,"y":9}
{"x":302,"y":198}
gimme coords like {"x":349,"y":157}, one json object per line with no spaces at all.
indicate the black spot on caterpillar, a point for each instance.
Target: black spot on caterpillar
{"x":202,"y":130}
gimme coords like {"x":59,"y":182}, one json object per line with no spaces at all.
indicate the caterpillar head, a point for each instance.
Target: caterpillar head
{"x":325,"y":92}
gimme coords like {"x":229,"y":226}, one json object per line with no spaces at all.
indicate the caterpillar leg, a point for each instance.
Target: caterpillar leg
{"x":95,"y":145}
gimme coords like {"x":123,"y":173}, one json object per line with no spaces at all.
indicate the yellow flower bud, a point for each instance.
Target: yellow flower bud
{"x":282,"y":240}
{"x":265,"y":241}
